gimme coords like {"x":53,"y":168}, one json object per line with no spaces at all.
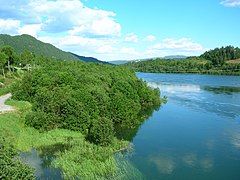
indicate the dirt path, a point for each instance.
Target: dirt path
{"x":5,"y":108}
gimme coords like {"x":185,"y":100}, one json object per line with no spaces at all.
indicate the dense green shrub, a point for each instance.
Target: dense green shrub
{"x":89,"y":98}
{"x":10,"y":166}
{"x":101,"y":131}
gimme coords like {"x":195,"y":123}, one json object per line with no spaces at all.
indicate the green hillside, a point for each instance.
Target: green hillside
{"x":223,"y":60}
{"x":27,"y":42}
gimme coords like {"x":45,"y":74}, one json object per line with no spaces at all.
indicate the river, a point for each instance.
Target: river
{"x":196,"y":135}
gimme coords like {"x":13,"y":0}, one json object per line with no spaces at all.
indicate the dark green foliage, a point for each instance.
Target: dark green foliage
{"x":26,"y":57}
{"x":189,"y":65}
{"x":3,"y":61}
{"x":8,"y":50}
{"x":89,"y":59}
{"x":219,"y":56}
{"x":89,"y":98}
{"x":27,"y":42}
{"x":101,"y":131}
{"x":10,"y":165}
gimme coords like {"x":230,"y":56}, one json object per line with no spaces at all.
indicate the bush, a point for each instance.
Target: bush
{"x":84,"y":97}
{"x":101,"y":131}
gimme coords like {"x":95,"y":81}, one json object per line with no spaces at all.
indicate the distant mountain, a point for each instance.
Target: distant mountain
{"x":175,"y":57}
{"x":119,"y":62}
{"x":27,"y":42}
{"x":172,"y":57}
{"x":89,"y":59}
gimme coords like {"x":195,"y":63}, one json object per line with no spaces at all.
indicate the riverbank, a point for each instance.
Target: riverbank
{"x":76,"y":155}
{"x":79,"y":159}
{"x":185,"y":66}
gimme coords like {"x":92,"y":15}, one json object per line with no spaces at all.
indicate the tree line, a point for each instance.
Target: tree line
{"x":219,"y":56}
{"x":9,"y":59}
{"x":211,"y":62}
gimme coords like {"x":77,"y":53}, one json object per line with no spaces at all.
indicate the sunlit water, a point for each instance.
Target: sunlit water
{"x":196,"y":135}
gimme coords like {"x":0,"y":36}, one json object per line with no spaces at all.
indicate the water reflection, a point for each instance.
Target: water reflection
{"x":235,"y":140}
{"x":207,"y":163}
{"x":207,"y":98}
{"x":175,"y":88}
{"x":222,"y":89}
{"x":128,"y":133}
{"x":41,"y":160}
{"x":190,"y":159}
{"x":41,"y":165}
{"x":196,"y":135}
{"x":164,"y":164}
{"x":167,"y":164}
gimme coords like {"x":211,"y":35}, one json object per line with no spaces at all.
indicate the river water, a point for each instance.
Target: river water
{"x":196,"y":135}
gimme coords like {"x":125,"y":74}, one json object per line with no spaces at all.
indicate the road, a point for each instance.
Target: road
{"x":5,"y":108}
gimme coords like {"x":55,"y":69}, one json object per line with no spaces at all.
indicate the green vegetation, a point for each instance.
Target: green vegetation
{"x":219,"y":56}
{"x":84,"y":97}
{"x":211,"y":62}
{"x":74,"y":106}
{"x":74,"y":155}
{"x":10,"y":166}
{"x":28,"y":43}
{"x":7,"y":82}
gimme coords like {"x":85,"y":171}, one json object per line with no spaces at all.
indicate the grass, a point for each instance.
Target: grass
{"x":79,"y":159}
{"x":7,"y":82}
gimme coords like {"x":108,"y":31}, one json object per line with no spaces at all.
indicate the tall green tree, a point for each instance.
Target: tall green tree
{"x":3,"y":61}
{"x":26,"y":58}
{"x":8,"y":50}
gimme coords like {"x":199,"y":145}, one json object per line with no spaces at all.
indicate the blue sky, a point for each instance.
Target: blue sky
{"x":126,"y":29}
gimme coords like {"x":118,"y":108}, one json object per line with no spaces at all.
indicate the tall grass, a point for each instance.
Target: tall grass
{"x":81,"y":159}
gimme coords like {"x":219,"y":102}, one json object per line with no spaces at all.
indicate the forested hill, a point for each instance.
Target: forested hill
{"x":27,"y":42}
{"x":219,"y":56}
{"x":24,"y":42}
{"x":225,"y":60}
{"x":89,"y":59}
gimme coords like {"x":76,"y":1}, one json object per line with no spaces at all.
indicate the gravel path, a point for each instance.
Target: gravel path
{"x":5,"y":108}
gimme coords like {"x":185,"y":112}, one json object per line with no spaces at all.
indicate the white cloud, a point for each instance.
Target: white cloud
{"x":131,"y":38}
{"x":77,"y":18}
{"x":150,"y":38}
{"x":72,"y":26}
{"x":106,"y":49}
{"x":183,"y":44}
{"x":9,"y":26}
{"x":129,"y":50}
{"x":31,"y":29}
{"x":170,"y":46}
{"x":231,"y":3}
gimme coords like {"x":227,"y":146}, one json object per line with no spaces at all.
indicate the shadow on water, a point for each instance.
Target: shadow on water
{"x":222,"y":89}
{"x":41,"y":160}
{"x":128,"y":133}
